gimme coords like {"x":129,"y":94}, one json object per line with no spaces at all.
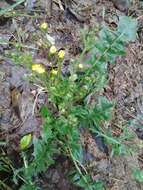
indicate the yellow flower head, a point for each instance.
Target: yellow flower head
{"x":54,"y":72}
{"x":53,"y":50}
{"x":61,"y":54}
{"x":38,"y":68}
{"x":80,"y":66}
{"x":44,"y":26}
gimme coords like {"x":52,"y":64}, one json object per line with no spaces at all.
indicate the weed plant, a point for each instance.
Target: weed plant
{"x":77,"y":102}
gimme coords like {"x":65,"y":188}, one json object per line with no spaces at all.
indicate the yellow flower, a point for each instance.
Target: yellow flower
{"x":44,"y":26}
{"x":38,"y":68}
{"x":54,"y":72}
{"x":53,"y":50}
{"x":80,"y":66}
{"x":61,"y":54}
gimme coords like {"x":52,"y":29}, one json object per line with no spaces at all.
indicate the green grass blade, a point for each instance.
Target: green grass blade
{"x":3,"y":11}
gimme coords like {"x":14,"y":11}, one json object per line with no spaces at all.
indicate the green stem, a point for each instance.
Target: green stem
{"x":78,"y":169}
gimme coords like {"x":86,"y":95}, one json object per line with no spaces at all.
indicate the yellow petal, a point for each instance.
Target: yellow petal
{"x":61,"y":54}
{"x":53,"y":50}
{"x":38,"y":68}
{"x":54,"y":72}
{"x":44,"y":26}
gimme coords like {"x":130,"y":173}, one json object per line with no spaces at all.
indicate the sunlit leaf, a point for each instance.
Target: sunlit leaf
{"x":25,"y":141}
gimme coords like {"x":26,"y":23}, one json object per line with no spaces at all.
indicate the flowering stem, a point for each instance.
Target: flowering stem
{"x":59,"y":69}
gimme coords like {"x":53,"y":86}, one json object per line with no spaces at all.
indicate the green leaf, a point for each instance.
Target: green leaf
{"x":47,"y":133}
{"x":28,"y":187}
{"x":128,"y":27}
{"x":44,"y":111}
{"x":102,"y":111}
{"x":25,"y":141}
{"x":78,"y":153}
{"x":138,"y":175}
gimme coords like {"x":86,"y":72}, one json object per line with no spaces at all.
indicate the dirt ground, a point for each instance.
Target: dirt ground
{"x":125,"y":84}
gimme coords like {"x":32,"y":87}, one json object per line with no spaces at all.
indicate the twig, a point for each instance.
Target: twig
{"x":36,"y":98}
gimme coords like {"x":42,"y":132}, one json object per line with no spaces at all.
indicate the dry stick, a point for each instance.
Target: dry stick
{"x":35,"y":101}
{"x":41,"y":90}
